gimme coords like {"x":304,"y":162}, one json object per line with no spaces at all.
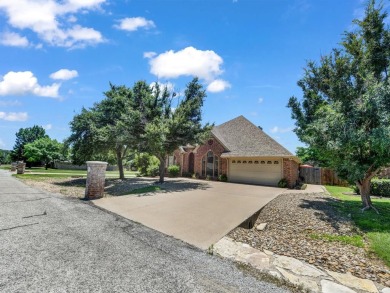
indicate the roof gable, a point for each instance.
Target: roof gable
{"x":244,"y":139}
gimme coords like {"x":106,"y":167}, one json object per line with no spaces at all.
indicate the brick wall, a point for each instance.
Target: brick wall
{"x":213,"y":145}
{"x":217,"y":149}
{"x":290,"y":171}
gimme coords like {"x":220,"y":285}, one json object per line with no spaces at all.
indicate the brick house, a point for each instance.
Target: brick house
{"x":241,"y":151}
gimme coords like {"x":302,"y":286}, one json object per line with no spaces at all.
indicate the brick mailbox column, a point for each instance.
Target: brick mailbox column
{"x":13,"y":166}
{"x":20,"y":168}
{"x":96,"y":176}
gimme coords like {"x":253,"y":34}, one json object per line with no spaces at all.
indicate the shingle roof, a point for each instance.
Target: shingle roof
{"x":244,"y":139}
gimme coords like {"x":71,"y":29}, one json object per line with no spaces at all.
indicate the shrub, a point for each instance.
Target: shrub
{"x":282,"y":183}
{"x":355,"y":189}
{"x":222,"y":177}
{"x":380,"y":187}
{"x":187,"y":174}
{"x":173,"y":170}
{"x":146,"y":164}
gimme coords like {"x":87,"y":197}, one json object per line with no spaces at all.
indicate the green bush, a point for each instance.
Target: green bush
{"x":187,"y":174}
{"x":147,"y":165}
{"x":282,"y":183}
{"x":222,"y":177}
{"x":355,"y":189}
{"x":173,"y":170}
{"x":380,"y":187}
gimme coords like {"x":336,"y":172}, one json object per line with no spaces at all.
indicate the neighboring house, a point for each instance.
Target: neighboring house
{"x":241,"y":151}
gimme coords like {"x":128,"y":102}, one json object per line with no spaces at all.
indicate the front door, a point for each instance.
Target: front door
{"x":191,"y":163}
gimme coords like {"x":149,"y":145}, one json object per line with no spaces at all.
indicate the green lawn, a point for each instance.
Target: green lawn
{"x":376,"y":227}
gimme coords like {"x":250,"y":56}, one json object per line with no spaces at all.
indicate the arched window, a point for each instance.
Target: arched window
{"x":210,"y":165}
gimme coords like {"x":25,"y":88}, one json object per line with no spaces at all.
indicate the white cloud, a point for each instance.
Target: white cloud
{"x":149,"y":55}
{"x":170,"y":86}
{"x":13,"y":39}
{"x":47,"y":126}
{"x":10,"y":103}
{"x":24,"y":83}
{"x":260,"y":100}
{"x":187,"y":62}
{"x":132,"y":24}
{"x":218,"y":85}
{"x":64,"y":74}
{"x":277,"y":129}
{"x":49,"y":20}
{"x":14,"y":116}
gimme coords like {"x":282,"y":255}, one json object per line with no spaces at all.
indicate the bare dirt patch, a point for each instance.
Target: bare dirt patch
{"x":293,"y":220}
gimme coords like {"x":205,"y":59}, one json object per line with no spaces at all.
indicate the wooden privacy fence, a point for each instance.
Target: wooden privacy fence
{"x":320,"y":176}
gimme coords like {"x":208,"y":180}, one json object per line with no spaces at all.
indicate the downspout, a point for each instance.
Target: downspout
{"x":182,"y":164}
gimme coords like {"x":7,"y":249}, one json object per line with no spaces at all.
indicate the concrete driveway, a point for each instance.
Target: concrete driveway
{"x":200,"y":217}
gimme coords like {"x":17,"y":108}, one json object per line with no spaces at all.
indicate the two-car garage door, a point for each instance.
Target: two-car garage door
{"x":255,"y":171}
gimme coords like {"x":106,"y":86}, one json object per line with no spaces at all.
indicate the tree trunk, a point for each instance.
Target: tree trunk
{"x":162,"y":169}
{"x":120,"y":164}
{"x":364,"y":188}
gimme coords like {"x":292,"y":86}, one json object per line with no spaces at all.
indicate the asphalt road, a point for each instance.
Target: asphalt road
{"x":49,"y":243}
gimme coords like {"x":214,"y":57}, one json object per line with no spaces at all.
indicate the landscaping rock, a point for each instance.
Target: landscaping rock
{"x":305,"y":282}
{"x":295,"y":223}
{"x":385,"y":290}
{"x":268,"y":252}
{"x":242,"y":253}
{"x":261,"y":226}
{"x":354,"y":282}
{"x":297,"y":266}
{"x":275,"y":274}
{"x":332,"y":287}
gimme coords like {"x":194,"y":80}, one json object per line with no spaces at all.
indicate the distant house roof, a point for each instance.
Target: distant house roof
{"x":242,"y":138}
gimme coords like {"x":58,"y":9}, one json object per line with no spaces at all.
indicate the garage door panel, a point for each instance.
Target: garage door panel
{"x":265,"y":174}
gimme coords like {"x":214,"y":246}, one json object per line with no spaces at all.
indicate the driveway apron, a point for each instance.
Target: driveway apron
{"x":200,"y":217}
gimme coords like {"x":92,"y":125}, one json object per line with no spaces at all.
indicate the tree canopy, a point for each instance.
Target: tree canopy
{"x":138,"y":119}
{"x":25,"y":136}
{"x":312,"y":156}
{"x":44,"y":150}
{"x":170,"y":128}
{"x":345,"y":110}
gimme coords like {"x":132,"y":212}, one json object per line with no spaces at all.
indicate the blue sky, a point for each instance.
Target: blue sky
{"x":58,"y":56}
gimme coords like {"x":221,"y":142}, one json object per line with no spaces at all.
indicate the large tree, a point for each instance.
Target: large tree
{"x":345,"y":109}
{"x":5,"y":157}
{"x":44,"y":150}
{"x":25,"y":136}
{"x":108,"y":127}
{"x":168,"y":128}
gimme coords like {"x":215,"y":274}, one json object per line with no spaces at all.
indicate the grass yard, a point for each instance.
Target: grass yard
{"x":376,"y":227}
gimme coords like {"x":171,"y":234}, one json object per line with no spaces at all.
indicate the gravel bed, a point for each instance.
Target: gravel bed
{"x":294,"y":218}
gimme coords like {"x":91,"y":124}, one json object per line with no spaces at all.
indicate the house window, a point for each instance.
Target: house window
{"x":171,"y":160}
{"x":238,"y":162}
{"x":210,"y":165}
{"x":256,"y":162}
{"x":244,"y":162}
{"x":250,"y":162}
{"x":276,"y":162}
{"x":234,"y":161}
{"x":210,"y":142}
{"x":269,"y":162}
{"x":262,"y":162}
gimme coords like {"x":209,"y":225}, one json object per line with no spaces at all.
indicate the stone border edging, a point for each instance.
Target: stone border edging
{"x":295,"y":271}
